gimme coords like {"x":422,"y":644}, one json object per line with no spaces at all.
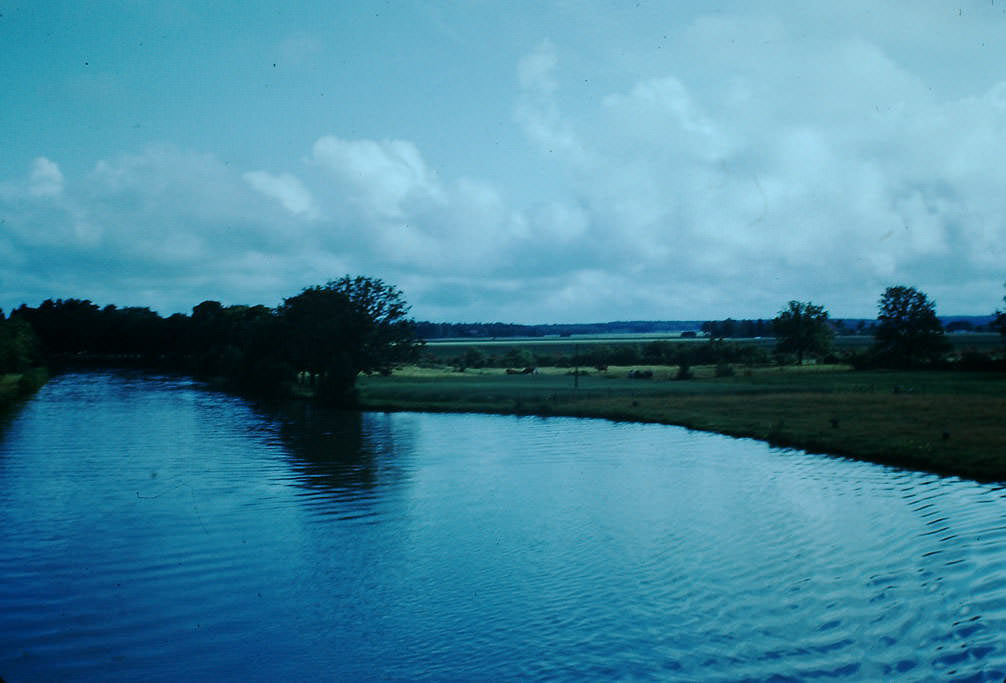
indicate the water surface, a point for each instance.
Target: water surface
{"x":151,"y":529}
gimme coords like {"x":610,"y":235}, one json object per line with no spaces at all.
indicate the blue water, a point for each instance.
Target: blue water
{"x":153,"y":530}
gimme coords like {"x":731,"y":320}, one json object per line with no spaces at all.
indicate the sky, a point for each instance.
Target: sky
{"x":531,"y":162}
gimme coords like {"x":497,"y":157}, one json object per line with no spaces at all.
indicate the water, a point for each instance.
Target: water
{"x":150,"y":529}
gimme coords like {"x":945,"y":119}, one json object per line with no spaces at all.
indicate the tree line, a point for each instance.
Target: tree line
{"x":482,"y":330}
{"x":325,"y":336}
{"x":906,"y":333}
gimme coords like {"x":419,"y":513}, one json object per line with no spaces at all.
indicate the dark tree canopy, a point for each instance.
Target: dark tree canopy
{"x":346,"y":327}
{"x":333,"y":332}
{"x":18,"y":346}
{"x":802,"y":328}
{"x":1000,"y":322}
{"x":908,"y":331}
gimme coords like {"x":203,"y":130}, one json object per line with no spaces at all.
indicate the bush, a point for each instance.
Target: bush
{"x":863,"y":360}
{"x":724,"y":370}
{"x":473,"y":358}
{"x":31,"y":379}
{"x":517,"y":358}
{"x":972,"y":359}
{"x":782,"y":358}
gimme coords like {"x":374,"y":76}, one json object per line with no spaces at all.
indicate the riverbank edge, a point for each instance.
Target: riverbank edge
{"x":780,"y":433}
{"x":18,"y":387}
{"x":782,"y":422}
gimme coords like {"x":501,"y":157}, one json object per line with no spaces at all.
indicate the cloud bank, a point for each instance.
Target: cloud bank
{"x":787,"y":173}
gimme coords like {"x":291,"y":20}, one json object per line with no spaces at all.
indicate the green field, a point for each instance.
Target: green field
{"x":443,"y":350}
{"x":942,"y":421}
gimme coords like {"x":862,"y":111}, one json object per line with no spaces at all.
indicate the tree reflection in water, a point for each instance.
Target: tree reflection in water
{"x":350,"y":455}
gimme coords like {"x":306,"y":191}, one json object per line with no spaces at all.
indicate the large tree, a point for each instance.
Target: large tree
{"x":1000,"y":322}
{"x":348,"y":326}
{"x":908,"y":331}
{"x":18,"y":346}
{"x":802,"y":328}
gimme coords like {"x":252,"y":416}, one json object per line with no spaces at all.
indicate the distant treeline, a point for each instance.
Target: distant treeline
{"x":430,"y":330}
{"x":719,"y":329}
{"x":657,"y":352}
{"x":326,"y":335}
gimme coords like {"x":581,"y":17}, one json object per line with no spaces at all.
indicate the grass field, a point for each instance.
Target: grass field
{"x":941,"y":421}
{"x":442,"y":350}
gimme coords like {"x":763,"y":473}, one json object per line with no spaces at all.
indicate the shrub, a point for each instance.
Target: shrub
{"x":30,"y":380}
{"x":724,"y":370}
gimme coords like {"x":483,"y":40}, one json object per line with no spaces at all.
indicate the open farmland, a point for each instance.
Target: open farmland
{"x":444,"y":351}
{"x":942,"y":421}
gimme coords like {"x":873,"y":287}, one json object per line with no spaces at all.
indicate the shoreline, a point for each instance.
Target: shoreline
{"x":948,"y":423}
{"x":939,"y":429}
{"x":15,"y":388}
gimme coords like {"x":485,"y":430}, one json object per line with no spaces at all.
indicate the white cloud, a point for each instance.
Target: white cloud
{"x":832,"y":172}
{"x":664,"y":109}
{"x":382,"y":177}
{"x":287,"y":189}
{"x":739,"y":161}
{"x":46,"y":179}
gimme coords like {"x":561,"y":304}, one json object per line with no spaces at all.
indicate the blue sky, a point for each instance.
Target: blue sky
{"x":516,"y":161}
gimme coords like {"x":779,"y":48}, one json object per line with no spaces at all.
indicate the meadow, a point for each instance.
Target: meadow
{"x":944,"y":421}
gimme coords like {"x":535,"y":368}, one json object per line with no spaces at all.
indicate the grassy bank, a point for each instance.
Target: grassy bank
{"x":15,"y":387}
{"x":945,"y":422}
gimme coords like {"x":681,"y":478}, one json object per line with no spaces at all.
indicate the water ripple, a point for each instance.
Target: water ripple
{"x":153,"y":529}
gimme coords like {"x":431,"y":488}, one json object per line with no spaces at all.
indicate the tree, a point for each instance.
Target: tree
{"x":802,"y":328}
{"x":346,"y":327}
{"x":1000,"y":322}
{"x":908,"y":330}
{"x":18,"y":346}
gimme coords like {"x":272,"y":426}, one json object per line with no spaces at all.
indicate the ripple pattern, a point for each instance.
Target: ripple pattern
{"x":151,"y":529}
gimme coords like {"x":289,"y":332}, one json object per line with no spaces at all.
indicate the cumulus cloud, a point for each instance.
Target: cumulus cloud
{"x":46,"y":179}
{"x":160,"y":227}
{"x":287,"y":189}
{"x":827,"y":176}
{"x":405,"y":215}
{"x":755,"y":163}
{"x":381,"y":176}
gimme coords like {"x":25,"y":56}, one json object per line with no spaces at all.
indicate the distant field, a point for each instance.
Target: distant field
{"x":572,"y":339}
{"x":444,"y":349}
{"x":941,"y":421}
